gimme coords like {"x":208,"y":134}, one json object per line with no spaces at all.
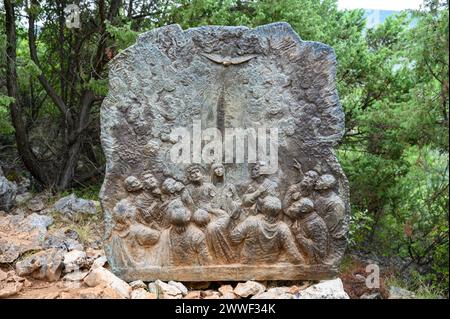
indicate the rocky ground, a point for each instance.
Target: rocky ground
{"x":52,"y":249}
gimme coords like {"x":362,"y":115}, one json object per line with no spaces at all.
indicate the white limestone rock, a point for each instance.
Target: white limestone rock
{"x":102,"y":276}
{"x":249,"y":288}
{"x":326,"y":289}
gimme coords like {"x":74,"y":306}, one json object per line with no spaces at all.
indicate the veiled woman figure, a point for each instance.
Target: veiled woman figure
{"x":228,"y":198}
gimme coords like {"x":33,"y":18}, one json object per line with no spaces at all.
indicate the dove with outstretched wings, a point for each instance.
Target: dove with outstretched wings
{"x":227,"y":60}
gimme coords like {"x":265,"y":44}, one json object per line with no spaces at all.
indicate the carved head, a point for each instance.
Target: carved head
{"x":195,"y":173}
{"x":325,"y":182}
{"x":132,"y":184}
{"x":201,"y":217}
{"x":171,"y":186}
{"x":301,"y":207}
{"x":218,"y":169}
{"x":258,"y":169}
{"x":178,"y":214}
{"x":270,"y":206}
{"x":309,"y":180}
{"x":150,"y":182}
{"x":123,"y":212}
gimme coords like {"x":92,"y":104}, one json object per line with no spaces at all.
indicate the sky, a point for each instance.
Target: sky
{"x":395,"y":5}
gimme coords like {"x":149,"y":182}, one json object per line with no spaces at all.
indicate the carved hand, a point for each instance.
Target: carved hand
{"x":297,"y":165}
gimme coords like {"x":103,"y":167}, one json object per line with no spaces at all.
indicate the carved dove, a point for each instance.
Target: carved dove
{"x":227,"y":60}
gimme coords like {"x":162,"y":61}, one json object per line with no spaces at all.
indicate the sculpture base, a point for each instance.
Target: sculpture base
{"x":236,"y":272}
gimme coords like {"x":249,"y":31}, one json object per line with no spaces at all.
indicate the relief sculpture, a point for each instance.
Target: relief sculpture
{"x":213,"y":215}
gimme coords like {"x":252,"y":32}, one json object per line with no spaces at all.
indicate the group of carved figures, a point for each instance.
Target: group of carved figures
{"x":207,"y":222}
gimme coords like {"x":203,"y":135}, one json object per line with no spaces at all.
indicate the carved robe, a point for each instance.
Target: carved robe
{"x":188,"y":247}
{"x":259,"y":190}
{"x":332,"y":209}
{"x":312,"y":235}
{"x":217,"y":237}
{"x":199,"y":196}
{"x":263,"y":241}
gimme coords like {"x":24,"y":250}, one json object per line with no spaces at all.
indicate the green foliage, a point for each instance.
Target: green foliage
{"x":99,"y":87}
{"x":396,"y":150}
{"x":5,"y":124}
{"x":29,"y":68}
{"x":87,"y":192}
{"x":360,"y":223}
{"x":123,"y":35}
{"x":190,"y":13}
{"x":418,"y":284}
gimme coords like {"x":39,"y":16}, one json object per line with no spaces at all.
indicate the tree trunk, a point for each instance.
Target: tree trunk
{"x":41,"y":173}
{"x":59,"y":173}
{"x":69,"y":166}
{"x":75,"y":141}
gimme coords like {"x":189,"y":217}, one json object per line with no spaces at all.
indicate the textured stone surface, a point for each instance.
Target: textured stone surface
{"x":73,"y":206}
{"x":400,"y":293}
{"x":19,"y":235}
{"x":101,"y":276}
{"x":249,"y":288}
{"x":212,"y":295}
{"x":36,"y":204}
{"x":64,"y":239}
{"x":166,"y":291}
{"x":8,"y":192}
{"x":327,"y":289}
{"x":141,"y":293}
{"x":275,"y":293}
{"x":194,"y":294}
{"x":8,"y":289}
{"x":180,"y":287}
{"x":227,"y":292}
{"x":99,"y":262}
{"x":3,"y":275}
{"x":74,"y":260}
{"x":137,"y":284}
{"x":75,"y":276}
{"x":47,"y":264}
{"x":261,"y":218}
{"x":99,"y":292}
{"x":224,"y":289}
{"x":367,"y":295}
{"x":23,"y":198}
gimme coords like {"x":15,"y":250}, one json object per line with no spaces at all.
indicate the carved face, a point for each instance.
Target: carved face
{"x":123,"y":212}
{"x":132,"y":184}
{"x":301,"y":207}
{"x":256,"y":171}
{"x":195,"y":175}
{"x":171,"y":186}
{"x":325,"y":182}
{"x":179,"y":216}
{"x":219,"y":170}
{"x":201,"y":217}
{"x":309,"y":180}
{"x":150,"y":181}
